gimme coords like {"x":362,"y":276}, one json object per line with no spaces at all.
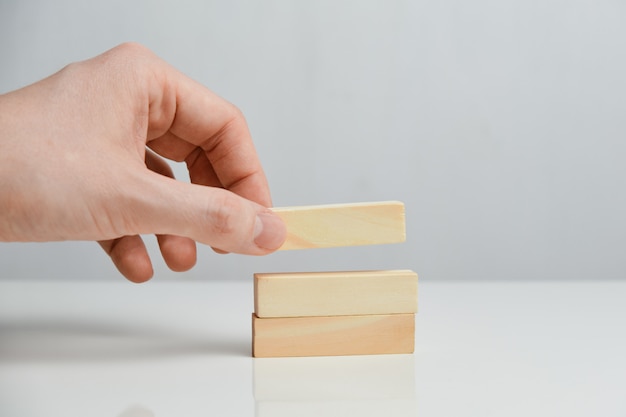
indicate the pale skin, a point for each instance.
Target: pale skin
{"x":81,"y":158}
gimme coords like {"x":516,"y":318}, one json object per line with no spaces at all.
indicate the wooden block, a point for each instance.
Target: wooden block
{"x":343,"y":225}
{"x":335,"y":293}
{"x":333,"y":336}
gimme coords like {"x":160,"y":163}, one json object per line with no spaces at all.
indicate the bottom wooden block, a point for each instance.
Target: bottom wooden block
{"x":333,"y":335}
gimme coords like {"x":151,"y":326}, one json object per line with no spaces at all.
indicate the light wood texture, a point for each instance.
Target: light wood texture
{"x":335,"y":293}
{"x":332,"y":336}
{"x":343,"y":225}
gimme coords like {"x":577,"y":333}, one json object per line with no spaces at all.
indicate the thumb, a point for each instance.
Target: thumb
{"x":210,"y":215}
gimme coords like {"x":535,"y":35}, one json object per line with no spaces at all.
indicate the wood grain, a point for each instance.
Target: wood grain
{"x":332,"y":336}
{"x":343,"y":225}
{"x":335,"y":293}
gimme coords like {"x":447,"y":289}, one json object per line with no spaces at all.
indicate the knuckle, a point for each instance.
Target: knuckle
{"x":237,"y":113}
{"x":128,"y":58}
{"x":131,"y":49}
{"x":235,"y":116}
{"x":223,"y":214}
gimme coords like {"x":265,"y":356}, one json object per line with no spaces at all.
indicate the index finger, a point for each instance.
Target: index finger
{"x":184,"y":116}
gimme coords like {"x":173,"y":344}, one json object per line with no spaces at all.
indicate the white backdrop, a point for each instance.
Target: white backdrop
{"x":501,"y":124}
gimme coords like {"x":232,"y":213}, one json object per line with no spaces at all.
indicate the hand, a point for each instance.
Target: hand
{"x":74,"y":164}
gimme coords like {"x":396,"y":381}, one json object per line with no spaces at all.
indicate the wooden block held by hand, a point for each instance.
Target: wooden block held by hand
{"x":343,"y":225}
{"x":332,"y":336}
{"x":335,"y":293}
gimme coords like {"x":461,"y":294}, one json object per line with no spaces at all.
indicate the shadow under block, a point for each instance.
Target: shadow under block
{"x":305,"y":294}
{"x":343,"y":225}
{"x":333,"y":336}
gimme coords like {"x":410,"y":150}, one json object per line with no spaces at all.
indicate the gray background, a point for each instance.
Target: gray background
{"x":500,"y":124}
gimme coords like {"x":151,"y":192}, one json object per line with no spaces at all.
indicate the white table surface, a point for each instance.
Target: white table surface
{"x":115,"y":349}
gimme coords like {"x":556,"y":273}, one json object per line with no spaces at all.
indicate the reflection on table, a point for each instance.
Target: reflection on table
{"x":372,"y":385}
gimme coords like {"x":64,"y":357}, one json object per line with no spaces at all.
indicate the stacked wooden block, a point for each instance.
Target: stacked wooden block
{"x":336,"y":313}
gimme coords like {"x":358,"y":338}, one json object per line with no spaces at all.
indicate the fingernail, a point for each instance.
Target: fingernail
{"x":269,"y":231}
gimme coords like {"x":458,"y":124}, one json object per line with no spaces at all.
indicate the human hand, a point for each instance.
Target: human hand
{"x":74,"y":164}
